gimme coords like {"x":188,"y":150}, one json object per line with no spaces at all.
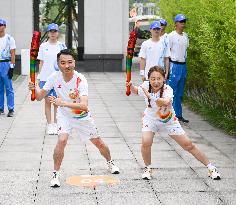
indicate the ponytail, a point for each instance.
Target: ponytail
{"x":149,"y":90}
{"x":162,"y":90}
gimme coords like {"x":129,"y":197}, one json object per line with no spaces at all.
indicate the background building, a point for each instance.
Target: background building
{"x":101,"y":32}
{"x":19,"y":17}
{"x":145,"y":8}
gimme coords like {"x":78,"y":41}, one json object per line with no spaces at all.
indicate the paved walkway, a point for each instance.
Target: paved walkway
{"x":26,"y":155}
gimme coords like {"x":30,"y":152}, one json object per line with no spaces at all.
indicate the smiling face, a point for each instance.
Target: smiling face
{"x":156,"y":80}
{"x":66,"y":64}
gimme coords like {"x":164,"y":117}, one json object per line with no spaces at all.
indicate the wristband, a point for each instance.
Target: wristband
{"x":12,"y":65}
{"x":142,"y":72}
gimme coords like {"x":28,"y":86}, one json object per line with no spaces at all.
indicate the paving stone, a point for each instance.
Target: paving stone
{"x":26,"y":155}
{"x":193,"y":198}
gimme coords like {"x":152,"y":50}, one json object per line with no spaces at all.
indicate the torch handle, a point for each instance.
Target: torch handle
{"x":33,"y":57}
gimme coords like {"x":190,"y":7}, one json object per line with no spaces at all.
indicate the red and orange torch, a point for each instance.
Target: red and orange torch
{"x":33,"y":58}
{"x":129,"y":57}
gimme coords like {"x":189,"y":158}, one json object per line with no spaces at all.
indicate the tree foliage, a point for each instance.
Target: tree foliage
{"x":56,"y":11}
{"x":212,"y":53}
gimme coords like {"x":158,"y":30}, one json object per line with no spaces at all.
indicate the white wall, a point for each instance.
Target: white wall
{"x":106,"y":26}
{"x":19,"y":17}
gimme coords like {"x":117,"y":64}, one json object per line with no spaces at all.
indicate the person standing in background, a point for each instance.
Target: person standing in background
{"x":154,"y":52}
{"x":7,"y":64}
{"x":178,"y":42}
{"x":48,"y":64}
{"x":164,"y":37}
{"x":163,"y":23}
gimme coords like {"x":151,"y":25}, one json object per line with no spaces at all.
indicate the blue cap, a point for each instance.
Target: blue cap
{"x":180,"y":17}
{"x":3,"y":22}
{"x":164,"y":22}
{"x":155,"y":24}
{"x":52,"y":26}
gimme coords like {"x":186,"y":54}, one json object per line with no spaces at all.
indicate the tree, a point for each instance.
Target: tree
{"x":212,"y":53}
{"x":60,"y":12}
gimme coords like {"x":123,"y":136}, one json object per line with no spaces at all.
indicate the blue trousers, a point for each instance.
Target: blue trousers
{"x":6,"y":84}
{"x":177,"y":79}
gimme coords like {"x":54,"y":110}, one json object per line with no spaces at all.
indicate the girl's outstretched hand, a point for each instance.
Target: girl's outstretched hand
{"x":134,"y":89}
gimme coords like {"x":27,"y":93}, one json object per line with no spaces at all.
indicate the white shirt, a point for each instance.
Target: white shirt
{"x":7,"y":43}
{"x":165,"y":35}
{"x":48,"y":54}
{"x":165,"y":38}
{"x":178,"y":46}
{"x":154,"y":111}
{"x":68,"y":91}
{"x":154,"y":53}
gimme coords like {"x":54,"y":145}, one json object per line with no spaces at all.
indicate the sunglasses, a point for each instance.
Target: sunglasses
{"x":53,"y":31}
{"x":183,"y":21}
{"x":2,"y":24}
{"x":156,"y":29}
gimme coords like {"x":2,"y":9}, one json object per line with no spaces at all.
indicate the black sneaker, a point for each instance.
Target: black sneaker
{"x":10,"y":113}
{"x":1,"y":112}
{"x":181,"y":119}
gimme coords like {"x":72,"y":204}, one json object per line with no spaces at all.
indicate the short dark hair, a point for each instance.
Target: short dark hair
{"x":65,"y":52}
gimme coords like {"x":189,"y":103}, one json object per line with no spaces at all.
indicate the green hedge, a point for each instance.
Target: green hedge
{"x":211,"y":28}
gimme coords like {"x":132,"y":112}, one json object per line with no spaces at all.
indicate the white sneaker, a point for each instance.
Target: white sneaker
{"x":147,"y":173}
{"x":112,"y":167}
{"x":213,"y":173}
{"x":55,"y":180}
{"x":55,"y":128}
{"x":50,"y":129}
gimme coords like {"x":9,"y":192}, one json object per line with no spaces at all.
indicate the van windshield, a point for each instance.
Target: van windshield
{"x":144,"y":27}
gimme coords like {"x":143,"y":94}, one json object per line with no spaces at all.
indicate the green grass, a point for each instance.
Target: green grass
{"x":15,"y":76}
{"x":215,"y":116}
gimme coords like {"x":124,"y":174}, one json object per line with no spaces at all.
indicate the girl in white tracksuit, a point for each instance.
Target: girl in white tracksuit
{"x":160,"y":113}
